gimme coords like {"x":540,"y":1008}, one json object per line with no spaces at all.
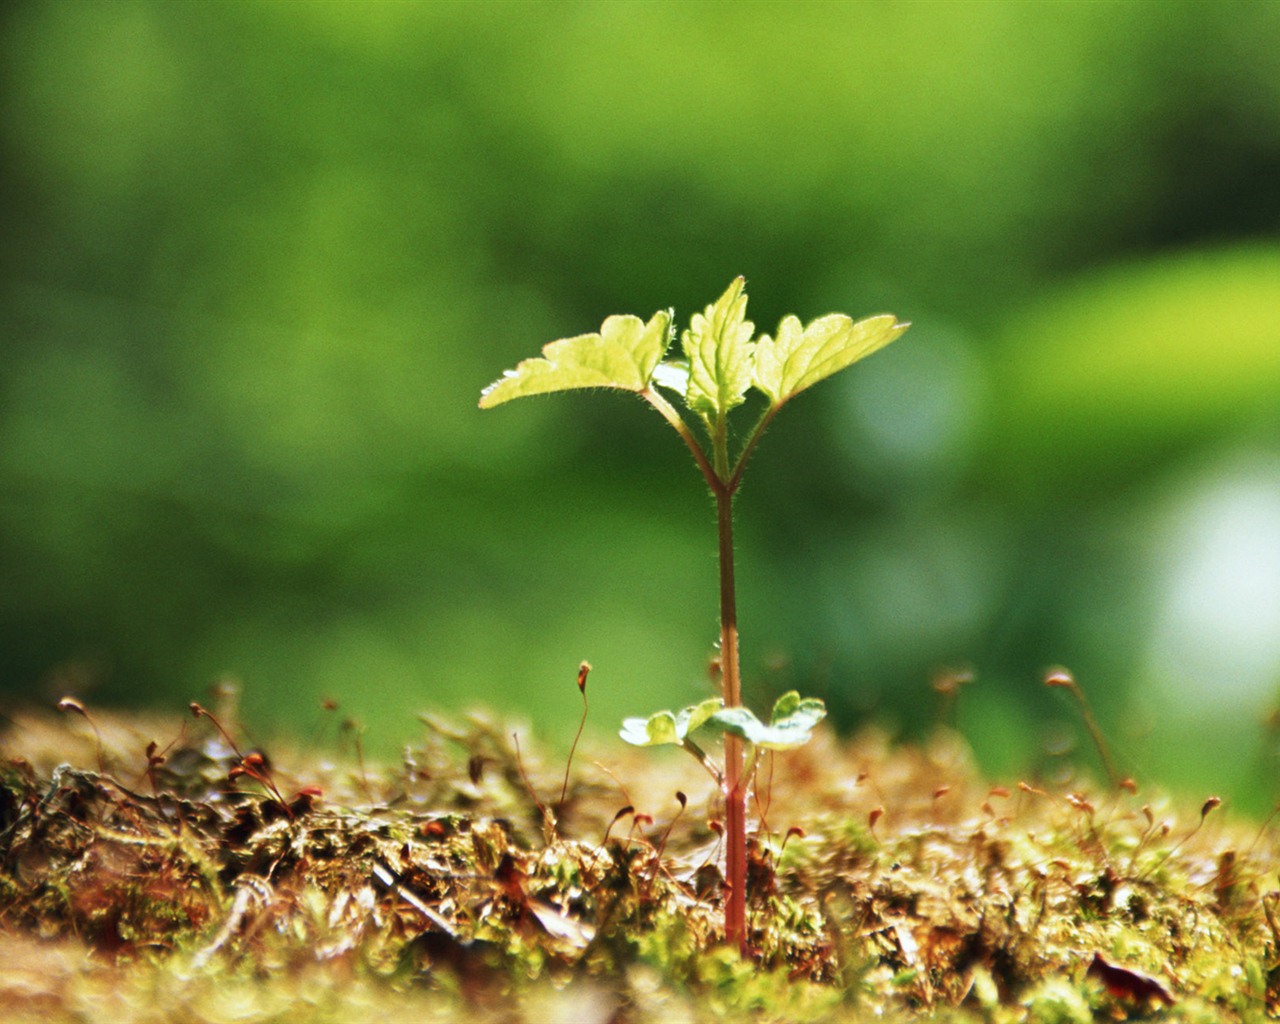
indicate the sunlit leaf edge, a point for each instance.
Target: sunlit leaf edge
{"x":799,"y":357}
{"x":791,"y":726}
{"x":624,"y":354}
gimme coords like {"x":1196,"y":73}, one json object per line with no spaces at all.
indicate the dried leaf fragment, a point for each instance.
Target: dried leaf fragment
{"x":1129,"y":985}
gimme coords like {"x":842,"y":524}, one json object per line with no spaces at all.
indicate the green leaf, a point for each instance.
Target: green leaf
{"x":791,"y":711}
{"x":792,"y":724}
{"x":799,"y":358}
{"x":659,"y":729}
{"x":695,"y":716}
{"x":662,"y":728}
{"x":718,"y":346}
{"x":623,"y":355}
{"x":673,"y":374}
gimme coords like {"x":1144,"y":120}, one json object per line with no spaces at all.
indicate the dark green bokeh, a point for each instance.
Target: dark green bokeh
{"x":259,"y":259}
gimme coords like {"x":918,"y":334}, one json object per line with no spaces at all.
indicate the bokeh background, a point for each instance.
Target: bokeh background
{"x":259,"y":259}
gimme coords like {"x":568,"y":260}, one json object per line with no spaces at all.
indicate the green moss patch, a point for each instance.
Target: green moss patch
{"x":884,"y":881}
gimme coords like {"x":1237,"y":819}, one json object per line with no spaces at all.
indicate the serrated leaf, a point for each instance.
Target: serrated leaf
{"x":663,"y":728}
{"x":800,"y":357}
{"x":794,"y":719}
{"x":624,"y":354}
{"x":718,"y":345}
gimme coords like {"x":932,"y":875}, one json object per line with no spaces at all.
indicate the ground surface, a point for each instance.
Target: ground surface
{"x":194,"y":881}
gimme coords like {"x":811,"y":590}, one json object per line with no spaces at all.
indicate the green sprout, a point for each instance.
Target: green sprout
{"x":722,"y":361}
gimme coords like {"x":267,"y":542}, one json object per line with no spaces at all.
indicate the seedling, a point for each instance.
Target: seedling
{"x":722,"y":361}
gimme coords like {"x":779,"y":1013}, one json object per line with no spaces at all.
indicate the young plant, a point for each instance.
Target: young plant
{"x":722,"y":361}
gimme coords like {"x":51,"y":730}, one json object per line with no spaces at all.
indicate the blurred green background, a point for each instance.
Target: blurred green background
{"x":259,"y":259}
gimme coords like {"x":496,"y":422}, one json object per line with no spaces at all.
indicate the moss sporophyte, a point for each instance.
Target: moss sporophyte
{"x":721,"y":362}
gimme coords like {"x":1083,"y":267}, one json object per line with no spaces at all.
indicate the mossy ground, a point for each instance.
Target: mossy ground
{"x":135,"y":888}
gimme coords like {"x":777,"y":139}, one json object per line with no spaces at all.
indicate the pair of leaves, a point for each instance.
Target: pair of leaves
{"x":664,"y":728}
{"x":721,"y":361}
{"x":790,"y":725}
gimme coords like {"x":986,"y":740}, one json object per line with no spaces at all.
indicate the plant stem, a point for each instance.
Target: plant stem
{"x":735,"y":790}
{"x":753,"y":439}
{"x":682,"y":428}
{"x":704,"y":760}
{"x":723,"y":483}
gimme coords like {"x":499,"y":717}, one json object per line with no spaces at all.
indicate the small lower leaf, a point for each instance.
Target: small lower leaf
{"x":673,"y":374}
{"x":792,"y":725}
{"x":695,"y":716}
{"x":793,"y":711}
{"x":655,"y":731}
{"x":663,"y":728}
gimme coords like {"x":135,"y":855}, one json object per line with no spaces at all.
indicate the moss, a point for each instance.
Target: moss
{"x":439,"y":889}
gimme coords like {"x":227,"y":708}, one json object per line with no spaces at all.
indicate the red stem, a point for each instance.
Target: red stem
{"x":735,"y":789}
{"x":723,"y":482}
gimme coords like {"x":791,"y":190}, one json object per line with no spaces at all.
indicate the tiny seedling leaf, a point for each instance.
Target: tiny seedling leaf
{"x":624,"y":354}
{"x":663,"y":728}
{"x":791,"y":711}
{"x":694,"y":717}
{"x":673,"y":374}
{"x":800,"y":357}
{"x":718,"y":346}
{"x":792,"y":724}
{"x":657,"y":730}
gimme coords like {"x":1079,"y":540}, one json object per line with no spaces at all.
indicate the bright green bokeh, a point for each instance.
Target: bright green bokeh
{"x":259,"y":260}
